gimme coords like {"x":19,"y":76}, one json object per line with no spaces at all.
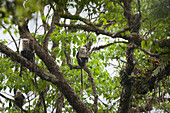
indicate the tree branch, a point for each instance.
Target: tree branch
{"x":12,"y":38}
{"x":93,"y":88}
{"x":2,"y":108}
{"x":104,"y":46}
{"x":69,"y":62}
{"x":126,"y":82}
{"x":152,"y":54}
{"x":79,"y":9}
{"x":60,"y":102}
{"x":41,"y":101}
{"x":54,"y":69}
{"x":13,"y":102}
{"x":136,"y":39}
{"x":90,"y":77}
{"x":61,"y":83}
{"x":55,"y":19}
{"x":30,"y":65}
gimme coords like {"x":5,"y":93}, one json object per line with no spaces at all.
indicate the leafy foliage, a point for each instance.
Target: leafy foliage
{"x":67,"y":25}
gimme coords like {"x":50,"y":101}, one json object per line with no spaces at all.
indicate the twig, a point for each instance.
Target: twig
{"x":12,"y":38}
{"x":6,"y":97}
{"x":104,"y":46}
{"x":55,"y":19}
{"x":152,"y":54}
{"x":69,"y":62}
{"x":106,"y":105}
{"x":13,"y":102}
{"x":146,"y":33}
{"x":36,"y":25}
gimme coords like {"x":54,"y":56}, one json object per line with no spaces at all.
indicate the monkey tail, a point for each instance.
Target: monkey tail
{"x":35,"y":84}
{"x":20,"y":73}
{"x":81,"y":81}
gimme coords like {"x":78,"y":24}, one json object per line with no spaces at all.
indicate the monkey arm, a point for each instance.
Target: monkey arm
{"x":78,"y":58}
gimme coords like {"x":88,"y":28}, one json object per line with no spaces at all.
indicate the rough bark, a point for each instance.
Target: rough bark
{"x":56,"y":76}
{"x":133,"y":22}
{"x":126,"y":94}
{"x":60,"y":103}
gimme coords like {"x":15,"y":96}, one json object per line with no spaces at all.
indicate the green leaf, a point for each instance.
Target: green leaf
{"x":143,"y":44}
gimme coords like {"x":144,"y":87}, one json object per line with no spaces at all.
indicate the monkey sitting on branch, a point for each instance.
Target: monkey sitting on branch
{"x":82,"y":60}
{"x":19,"y":99}
{"x":27,"y":51}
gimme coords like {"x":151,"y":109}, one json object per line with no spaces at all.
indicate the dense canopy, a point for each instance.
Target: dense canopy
{"x":128,"y":44}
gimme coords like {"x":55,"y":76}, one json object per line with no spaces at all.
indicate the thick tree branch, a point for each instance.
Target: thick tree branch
{"x":62,"y":84}
{"x":76,"y":17}
{"x":97,"y":31}
{"x":30,"y":65}
{"x":125,"y":100}
{"x":133,"y":21}
{"x":91,"y":26}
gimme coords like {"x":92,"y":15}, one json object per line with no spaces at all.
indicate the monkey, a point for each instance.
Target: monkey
{"x":81,"y":56}
{"x":28,"y":52}
{"x":27,"y":49}
{"x":19,"y":99}
{"x":82,"y":60}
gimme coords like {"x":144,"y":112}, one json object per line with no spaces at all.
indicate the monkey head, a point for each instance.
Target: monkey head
{"x":25,"y":44}
{"x":83,"y":52}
